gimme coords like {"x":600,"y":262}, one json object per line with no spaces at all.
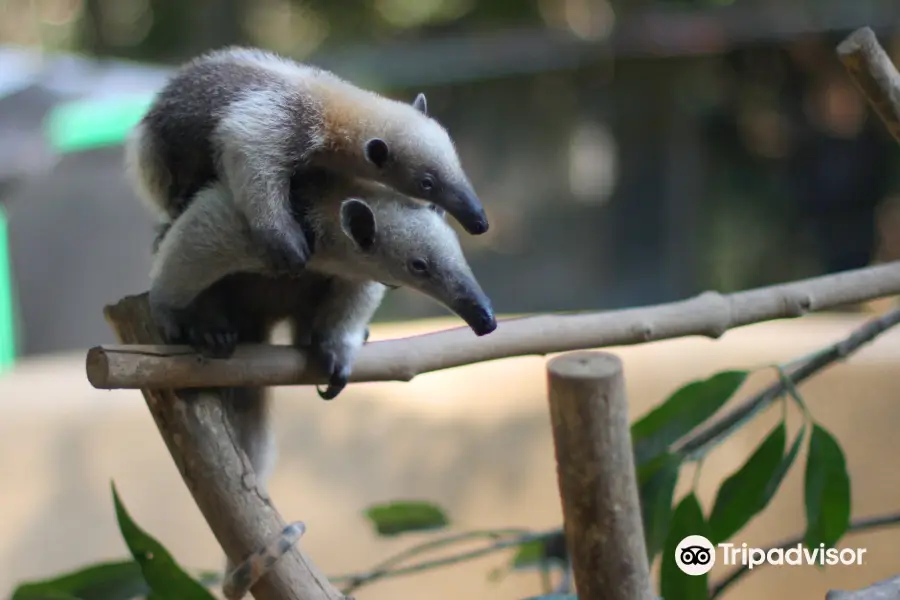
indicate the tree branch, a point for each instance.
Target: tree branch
{"x":874,"y":75}
{"x":718,"y":431}
{"x":218,"y":474}
{"x":855,"y":527}
{"x":502,"y":539}
{"x":709,"y":314}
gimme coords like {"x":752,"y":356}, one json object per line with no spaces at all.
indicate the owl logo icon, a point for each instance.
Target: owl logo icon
{"x":695,"y":555}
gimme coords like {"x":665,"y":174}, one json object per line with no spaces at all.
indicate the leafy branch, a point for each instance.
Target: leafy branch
{"x":794,"y":374}
{"x":710,"y":314}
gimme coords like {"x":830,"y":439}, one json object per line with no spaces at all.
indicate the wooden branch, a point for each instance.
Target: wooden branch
{"x":597,"y":481}
{"x":874,"y":74}
{"x":218,"y":474}
{"x":709,"y":314}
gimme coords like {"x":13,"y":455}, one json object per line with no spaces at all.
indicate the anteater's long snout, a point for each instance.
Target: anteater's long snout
{"x":474,"y":307}
{"x":462,"y":202}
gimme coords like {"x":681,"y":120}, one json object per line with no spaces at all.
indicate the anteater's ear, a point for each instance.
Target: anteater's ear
{"x":377,"y":152}
{"x":420,"y":104}
{"x":358,"y":222}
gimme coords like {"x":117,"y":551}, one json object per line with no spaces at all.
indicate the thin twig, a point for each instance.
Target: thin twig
{"x":384,"y":568}
{"x":452,"y":559}
{"x":855,"y":527}
{"x":709,"y":314}
{"x":717,"y":432}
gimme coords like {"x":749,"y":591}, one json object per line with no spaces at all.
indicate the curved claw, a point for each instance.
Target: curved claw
{"x":214,"y":342}
{"x":340,"y":376}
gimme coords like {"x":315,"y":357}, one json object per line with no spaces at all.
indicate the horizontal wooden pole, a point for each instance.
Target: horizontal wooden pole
{"x":710,"y":314}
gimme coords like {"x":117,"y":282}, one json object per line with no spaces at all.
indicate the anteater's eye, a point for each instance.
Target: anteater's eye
{"x":418,"y":266}
{"x":427,"y":183}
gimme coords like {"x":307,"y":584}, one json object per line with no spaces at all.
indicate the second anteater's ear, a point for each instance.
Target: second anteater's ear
{"x":420,"y":104}
{"x":358,"y":222}
{"x":377,"y":152}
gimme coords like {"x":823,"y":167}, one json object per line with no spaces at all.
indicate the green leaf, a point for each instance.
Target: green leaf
{"x":675,"y":584}
{"x":750,"y":489}
{"x":106,"y":581}
{"x":162,"y":574}
{"x":827,"y":490}
{"x":747,"y":491}
{"x":538,"y":553}
{"x":395,"y":518}
{"x":529,"y":554}
{"x":684,"y":410}
{"x":785,"y":465}
{"x":656,"y":482}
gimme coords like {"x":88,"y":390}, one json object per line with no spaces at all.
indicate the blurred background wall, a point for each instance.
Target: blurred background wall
{"x":627,"y":153}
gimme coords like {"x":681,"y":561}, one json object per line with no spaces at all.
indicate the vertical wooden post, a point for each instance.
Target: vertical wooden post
{"x":597,"y":480}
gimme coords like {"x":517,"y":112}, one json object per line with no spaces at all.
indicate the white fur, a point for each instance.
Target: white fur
{"x":252,"y":138}
{"x":203,"y":245}
{"x":210,"y":240}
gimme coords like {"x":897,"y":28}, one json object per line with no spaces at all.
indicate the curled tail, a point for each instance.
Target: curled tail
{"x":247,"y":409}
{"x":238,"y":582}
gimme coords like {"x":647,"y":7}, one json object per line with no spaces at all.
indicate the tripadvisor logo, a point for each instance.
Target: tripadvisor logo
{"x":696,"y":555}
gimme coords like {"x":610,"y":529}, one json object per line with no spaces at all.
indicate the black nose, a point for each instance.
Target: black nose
{"x":478,"y":225}
{"x":480,"y":318}
{"x":487,"y":323}
{"x":465,"y":206}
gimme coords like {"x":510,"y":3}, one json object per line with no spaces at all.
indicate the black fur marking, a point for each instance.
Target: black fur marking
{"x":358,"y":221}
{"x":377,"y":152}
{"x":204,"y":325}
{"x":181,"y":127}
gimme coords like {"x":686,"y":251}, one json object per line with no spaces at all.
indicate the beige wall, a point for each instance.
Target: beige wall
{"x":474,"y":439}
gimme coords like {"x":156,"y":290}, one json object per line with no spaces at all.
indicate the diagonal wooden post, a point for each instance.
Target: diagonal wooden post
{"x":218,"y":474}
{"x":597,"y":479}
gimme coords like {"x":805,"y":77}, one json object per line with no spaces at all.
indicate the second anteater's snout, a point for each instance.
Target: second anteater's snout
{"x":463,"y":203}
{"x":475,"y":309}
